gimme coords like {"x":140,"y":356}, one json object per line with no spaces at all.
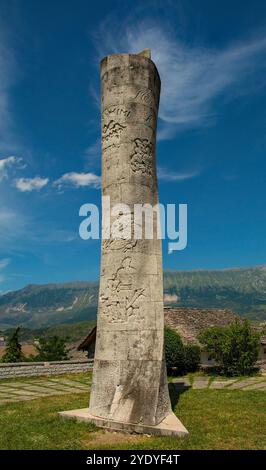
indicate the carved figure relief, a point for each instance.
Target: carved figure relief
{"x":120,"y":299}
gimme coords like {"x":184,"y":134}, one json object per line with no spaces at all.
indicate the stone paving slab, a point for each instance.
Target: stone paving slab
{"x":47,"y":383}
{"x":218,"y":384}
{"x":257,"y":386}
{"x":72,"y":383}
{"x":4,"y":397}
{"x":200,"y":382}
{"x":244,"y":383}
{"x":59,"y":386}
{"x":14,"y":391}
{"x":182,"y":381}
{"x":32,"y":396}
{"x":20,"y":391}
{"x":51,"y":391}
{"x":31,"y":388}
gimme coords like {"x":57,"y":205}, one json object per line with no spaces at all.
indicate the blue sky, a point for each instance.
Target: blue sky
{"x":211,"y":138}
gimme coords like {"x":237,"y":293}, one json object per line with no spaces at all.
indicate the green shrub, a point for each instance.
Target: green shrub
{"x":191,"y":358}
{"x":235,"y":347}
{"x":51,"y":349}
{"x":174,"y":350}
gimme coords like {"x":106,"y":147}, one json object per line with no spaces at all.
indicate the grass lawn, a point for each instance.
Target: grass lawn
{"x":216,"y":419}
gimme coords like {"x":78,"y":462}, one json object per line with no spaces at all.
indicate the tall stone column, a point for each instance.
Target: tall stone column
{"x":129,"y":389}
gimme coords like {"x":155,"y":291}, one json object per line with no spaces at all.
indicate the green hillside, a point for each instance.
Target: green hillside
{"x":40,"y":306}
{"x":242,"y":290}
{"x":71,"y":332}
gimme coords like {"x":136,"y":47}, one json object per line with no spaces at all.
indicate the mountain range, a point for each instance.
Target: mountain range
{"x":242,"y":290}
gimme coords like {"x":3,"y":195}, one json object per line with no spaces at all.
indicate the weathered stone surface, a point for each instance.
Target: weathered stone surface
{"x":129,"y":376}
{"x":169,"y":426}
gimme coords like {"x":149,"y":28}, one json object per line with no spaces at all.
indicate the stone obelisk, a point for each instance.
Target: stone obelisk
{"x":129,"y":389}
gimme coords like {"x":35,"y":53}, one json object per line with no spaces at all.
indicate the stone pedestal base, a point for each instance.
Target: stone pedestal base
{"x":170,"y":426}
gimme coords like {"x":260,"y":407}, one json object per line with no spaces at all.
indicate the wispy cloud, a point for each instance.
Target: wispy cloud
{"x":78,"y":180}
{"x":168,"y":175}
{"x":8,"y":162}
{"x":31,"y":184}
{"x":13,"y":228}
{"x":4,"y":263}
{"x":92,"y":153}
{"x":193,"y":77}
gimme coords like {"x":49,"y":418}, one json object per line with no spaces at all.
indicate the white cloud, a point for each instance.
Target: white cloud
{"x":6,"y":163}
{"x":78,"y":180}
{"x":167,"y":175}
{"x":193,"y":77}
{"x":31,"y":184}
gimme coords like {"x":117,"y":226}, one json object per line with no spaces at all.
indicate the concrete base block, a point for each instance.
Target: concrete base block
{"x":170,"y":426}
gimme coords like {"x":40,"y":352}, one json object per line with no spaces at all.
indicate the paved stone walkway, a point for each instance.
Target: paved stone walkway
{"x":13,"y":391}
{"x":201,"y":382}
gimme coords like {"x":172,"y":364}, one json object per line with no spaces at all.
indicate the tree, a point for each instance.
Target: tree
{"x":235,"y":347}
{"x":191,"y":357}
{"x":13,"y":352}
{"x":174,"y":350}
{"x":52,"y":349}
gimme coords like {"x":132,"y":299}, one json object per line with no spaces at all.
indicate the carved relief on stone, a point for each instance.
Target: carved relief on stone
{"x":116,"y":110}
{"x":145,"y":96}
{"x":120,"y":302}
{"x":120,"y":298}
{"x":141,"y":160}
{"x":114,"y":244}
{"x":126,"y":243}
{"x":151,"y":119}
{"x":112,"y":131}
{"x":129,"y":348}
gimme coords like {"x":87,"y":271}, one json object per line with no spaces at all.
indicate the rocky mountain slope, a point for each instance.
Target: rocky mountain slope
{"x":38,"y":306}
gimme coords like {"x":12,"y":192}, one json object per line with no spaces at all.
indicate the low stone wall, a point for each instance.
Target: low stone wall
{"x":29,"y":369}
